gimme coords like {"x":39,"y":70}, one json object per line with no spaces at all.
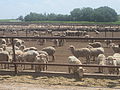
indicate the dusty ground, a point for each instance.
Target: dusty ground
{"x":28,"y":82}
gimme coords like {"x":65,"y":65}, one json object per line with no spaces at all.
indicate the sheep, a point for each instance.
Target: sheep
{"x":44,"y":52}
{"x":56,"y":42}
{"x":41,"y":58}
{"x":18,"y":40}
{"x":101,"y":60}
{"x":29,"y":48}
{"x":110,"y":61}
{"x":33,"y":48}
{"x":4,"y":56}
{"x":86,"y":36}
{"x":75,"y":69}
{"x":17,"y":54}
{"x":41,"y":41}
{"x":50,"y":32}
{"x":1,"y":49}
{"x":29,"y":56}
{"x":10,"y":49}
{"x":96,"y":44}
{"x":115,"y":48}
{"x":82,"y":52}
{"x":3,"y":41}
{"x":97,"y":33}
{"x":61,"y":42}
{"x":94,"y":52}
{"x":117,"y":60}
{"x":22,"y":47}
{"x":108,"y":42}
{"x":3,"y":46}
{"x":50,"y":50}
{"x":19,"y":43}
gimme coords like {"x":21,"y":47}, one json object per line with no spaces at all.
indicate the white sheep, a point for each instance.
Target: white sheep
{"x":3,"y":41}
{"x":82,"y":52}
{"x":44,"y":52}
{"x":29,"y":56}
{"x":116,"y":48}
{"x":51,"y":51}
{"x":108,"y":42}
{"x":117,"y":60}
{"x":61,"y":42}
{"x":17,"y":54}
{"x":18,"y":42}
{"x":22,"y":47}
{"x":29,"y":48}
{"x":41,"y":58}
{"x":10,"y":49}
{"x":96,"y":44}
{"x":97,"y":33}
{"x":94,"y":52}
{"x":4,"y":56}
{"x":101,"y":60}
{"x":75,"y":69}
{"x":3,"y":46}
{"x":56,"y":42}
{"x":110,"y":61}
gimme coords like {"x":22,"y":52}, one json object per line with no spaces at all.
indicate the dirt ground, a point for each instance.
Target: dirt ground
{"x":56,"y":82}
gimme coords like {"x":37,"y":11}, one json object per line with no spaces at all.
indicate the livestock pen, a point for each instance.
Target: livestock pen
{"x":61,"y":65}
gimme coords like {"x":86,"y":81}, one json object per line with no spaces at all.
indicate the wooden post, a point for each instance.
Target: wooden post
{"x":14,"y":59}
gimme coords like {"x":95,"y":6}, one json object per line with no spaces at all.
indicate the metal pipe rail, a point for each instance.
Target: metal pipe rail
{"x":55,"y":37}
{"x":56,"y":64}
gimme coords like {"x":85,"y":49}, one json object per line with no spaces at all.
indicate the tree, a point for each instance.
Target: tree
{"x":87,"y":14}
{"x":105,"y":14}
{"x":20,"y":18}
{"x":75,"y":14}
{"x":118,"y":17}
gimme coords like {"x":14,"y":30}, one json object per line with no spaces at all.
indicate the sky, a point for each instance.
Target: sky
{"x":11,"y":9}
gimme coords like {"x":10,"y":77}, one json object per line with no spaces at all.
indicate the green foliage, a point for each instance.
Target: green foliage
{"x":20,"y":18}
{"x":105,"y":14}
{"x":118,"y":17}
{"x":101,"y":14}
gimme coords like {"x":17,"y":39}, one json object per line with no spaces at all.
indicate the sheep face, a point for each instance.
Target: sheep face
{"x":71,"y":47}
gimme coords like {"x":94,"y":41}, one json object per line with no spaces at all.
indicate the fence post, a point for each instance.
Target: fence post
{"x":14,"y":59}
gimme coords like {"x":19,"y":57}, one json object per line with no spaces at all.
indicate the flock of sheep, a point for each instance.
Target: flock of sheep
{"x":92,"y":52}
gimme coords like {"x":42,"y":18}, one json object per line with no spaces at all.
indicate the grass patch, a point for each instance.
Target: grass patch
{"x":79,"y":22}
{"x":9,"y":20}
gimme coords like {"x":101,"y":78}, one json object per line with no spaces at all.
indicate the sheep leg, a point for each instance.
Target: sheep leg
{"x":117,"y":71}
{"x":100,"y":69}
{"x":2,"y":66}
{"x":93,"y":58}
{"x":87,"y":60}
{"x":46,"y":66}
{"x":53,"y":58}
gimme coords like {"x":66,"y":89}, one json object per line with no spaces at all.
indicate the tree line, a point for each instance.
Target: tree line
{"x":101,"y":14}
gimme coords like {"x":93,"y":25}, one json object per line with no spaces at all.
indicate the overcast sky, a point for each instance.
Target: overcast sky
{"x":14,"y":8}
